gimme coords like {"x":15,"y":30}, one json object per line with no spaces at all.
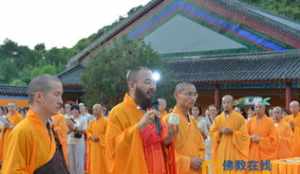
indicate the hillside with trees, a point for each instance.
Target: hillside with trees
{"x":288,"y":8}
{"x":19,"y":63}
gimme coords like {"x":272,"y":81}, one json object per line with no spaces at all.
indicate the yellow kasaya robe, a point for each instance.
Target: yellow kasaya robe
{"x":285,"y":139}
{"x":61,"y":129}
{"x":296,"y":133}
{"x":14,"y":120}
{"x":123,"y":144}
{"x":163,"y":114}
{"x":30,"y":146}
{"x":267,"y":146}
{"x":188,"y":143}
{"x":96,"y":162}
{"x":231,"y":147}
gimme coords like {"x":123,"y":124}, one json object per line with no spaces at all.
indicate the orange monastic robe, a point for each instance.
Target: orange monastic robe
{"x":163,"y":114}
{"x":188,"y":143}
{"x":296,"y":133}
{"x":123,"y":144}
{"x":14,"y":120}
{"x":285,"y":139}
{"x":30,"y":146}
{"x":124,"y":147}
{"x":267,"y":146}
{"x":97,"y":163}
{"x":229,"y":147}
{"x":61,"y":128}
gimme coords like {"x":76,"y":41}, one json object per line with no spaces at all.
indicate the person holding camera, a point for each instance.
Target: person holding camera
{"x":76,"y":143}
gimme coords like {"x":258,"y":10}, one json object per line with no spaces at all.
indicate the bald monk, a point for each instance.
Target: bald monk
{"x":285,"y":133}
{"x":189,"y":143}
{"x":96,"y":133}
{"x":13,"y":117}
{"x":162,"y":106}
{"x":294,"y":121}
{"x":264,"y":141}
{"x":129,"y":148}
{"x":33,"y":147}
{"x":229,"y":136}
{"x":61,"y":128}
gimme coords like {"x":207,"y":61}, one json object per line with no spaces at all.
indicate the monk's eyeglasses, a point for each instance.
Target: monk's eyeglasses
{"x":190,"y":94}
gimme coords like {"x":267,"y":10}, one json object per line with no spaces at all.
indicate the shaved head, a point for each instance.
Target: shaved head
{"x":11,"y":107}
{"x":277,"y":113}
{"x":294,"y":103}
{"x":132,"y":75}
{"x":43,"y":83}
{"x":97,"y":110}
{"x":95,"y":106}
{"x":227,"y":98}
{"x":141,"y":86}
{"x":277,"y":109}
{"x":182,"y":86}
{"x":227,"y":103}
{"x":45,"y":95}
{"x":260,"y":109}
{"x":294,"y":107}
{"x":186,"y":95}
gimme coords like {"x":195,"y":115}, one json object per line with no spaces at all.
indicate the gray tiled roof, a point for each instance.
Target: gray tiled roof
{"x":283,"y":24}
{"x":6,"y":90}
{"x":251,"y":68}
{"x":71,"y":76}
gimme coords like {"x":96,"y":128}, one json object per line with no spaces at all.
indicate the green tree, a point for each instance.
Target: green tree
{"x":8,"y":70}
{"x":18,"y":64}
{"x":289,"y":8}
{"x":104,"y":77}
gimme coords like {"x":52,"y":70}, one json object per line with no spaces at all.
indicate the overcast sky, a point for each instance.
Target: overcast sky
{"x":58,"y":23}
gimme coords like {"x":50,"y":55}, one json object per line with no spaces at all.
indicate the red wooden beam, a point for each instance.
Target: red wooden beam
{"x":217,"y":96}
{"x":288,"y":94}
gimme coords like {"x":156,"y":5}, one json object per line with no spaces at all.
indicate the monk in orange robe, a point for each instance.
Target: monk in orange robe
{"x":229,"y":136}
{"x":294,"y":122}
{"x":61,"y":128}
{"x":128,"y":148}
{"x":13,"y":117}
{"x":264,"y":141}
{"x":33,"y":148}
{"x":285,"y":133}
{"x":189,"y":144}
{"x":95,"y":135}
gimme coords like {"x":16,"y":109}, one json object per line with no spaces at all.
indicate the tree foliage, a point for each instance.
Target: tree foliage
{"x":19,"y":64}
{"x":104,"y":78}
{"x":289,"y":8}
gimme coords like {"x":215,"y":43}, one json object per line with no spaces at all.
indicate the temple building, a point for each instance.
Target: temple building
{"x":222,"y":46}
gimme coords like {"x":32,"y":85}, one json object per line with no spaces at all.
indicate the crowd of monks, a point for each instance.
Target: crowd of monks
{"x":138,"y":138}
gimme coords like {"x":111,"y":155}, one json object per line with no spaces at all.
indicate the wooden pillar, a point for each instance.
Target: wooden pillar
{"x":288,"y":94}
{"x":217,"y":96}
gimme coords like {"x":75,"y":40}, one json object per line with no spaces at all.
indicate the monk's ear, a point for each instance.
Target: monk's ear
{"x":38,"y":96}
{"x":131,"y":85}
{"x":175,"y":94}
